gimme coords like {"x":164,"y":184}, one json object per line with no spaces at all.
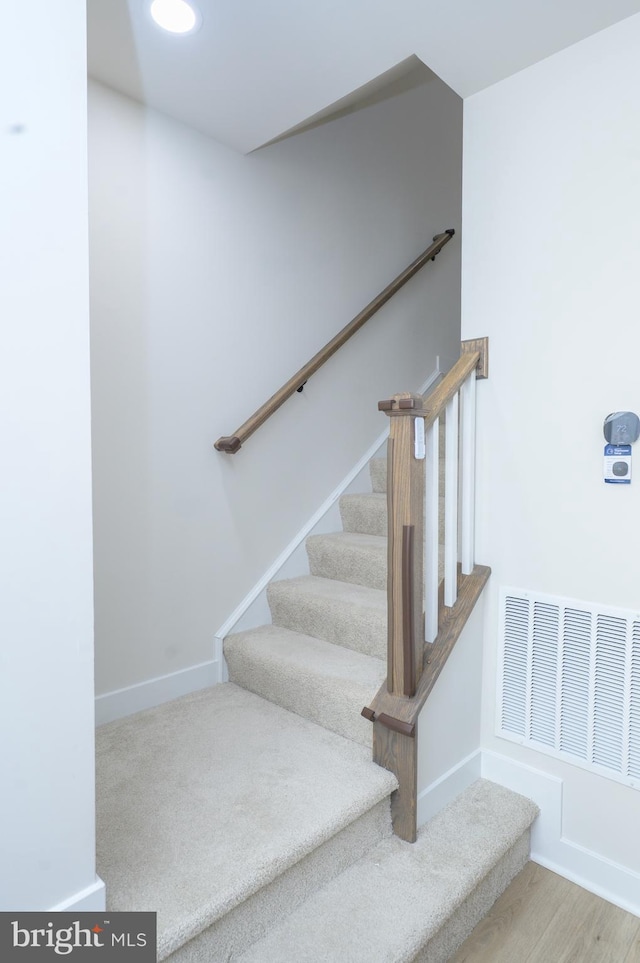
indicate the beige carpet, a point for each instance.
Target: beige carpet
{"x":204,"y":800}
{"x":257,"y":832}
{"x":325,"y":683}
{"x":325,"y":654}
{"x":391,"y":904}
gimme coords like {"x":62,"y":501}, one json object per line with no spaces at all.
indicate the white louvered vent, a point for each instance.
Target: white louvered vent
{"x":569,"y":681}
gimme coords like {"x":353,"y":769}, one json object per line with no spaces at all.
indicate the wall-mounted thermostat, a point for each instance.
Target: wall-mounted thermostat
{"x":621,"y":429}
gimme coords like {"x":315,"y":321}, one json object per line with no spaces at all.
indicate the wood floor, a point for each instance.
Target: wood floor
{"x":543,"y":918}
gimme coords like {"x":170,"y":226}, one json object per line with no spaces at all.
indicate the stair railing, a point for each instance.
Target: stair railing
{"x":426,"y":615}
{"x":232,"y":443}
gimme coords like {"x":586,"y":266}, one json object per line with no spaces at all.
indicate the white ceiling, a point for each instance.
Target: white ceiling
{"x":258,"y":68}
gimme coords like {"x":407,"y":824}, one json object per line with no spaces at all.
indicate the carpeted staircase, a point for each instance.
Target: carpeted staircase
{"x":324,"y":656}
{"x":251,"y":817}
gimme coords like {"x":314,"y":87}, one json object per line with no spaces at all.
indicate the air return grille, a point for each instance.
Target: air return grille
{"x":569,"y":681}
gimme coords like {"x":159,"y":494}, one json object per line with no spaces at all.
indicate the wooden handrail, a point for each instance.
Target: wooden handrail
{"x":432,"y":407}
{"x":232,"y":443}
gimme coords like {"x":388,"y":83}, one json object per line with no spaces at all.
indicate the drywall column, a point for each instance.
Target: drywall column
{"x":46,"y":610}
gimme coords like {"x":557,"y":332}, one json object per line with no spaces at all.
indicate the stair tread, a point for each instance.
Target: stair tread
{"x":391,"y":902}
{"x":333,"y":663}
{"x":334,"y":589}
{"x":204,"y":800}
{"x":326,"y":683}
{"x":344,"y":613}
{"x":364,"y":512}
{"x":359,"y":540}
{"x":310,"y":653}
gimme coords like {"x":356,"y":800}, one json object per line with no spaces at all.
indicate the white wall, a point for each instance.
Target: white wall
{"x":47,"y":843}
{"x":449,"y":757}
{"x":214,"y":278}
{"x":550,"y":273}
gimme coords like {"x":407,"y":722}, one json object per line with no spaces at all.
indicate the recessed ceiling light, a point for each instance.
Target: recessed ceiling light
{"x":176,"y":16}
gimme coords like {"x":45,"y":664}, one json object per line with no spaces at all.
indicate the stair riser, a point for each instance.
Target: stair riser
{"x":368,"y":515}
{"x":461,"y":924}
{"x":347,"y":565}
{"x":378,"y":471}
{"x":248,"y":922}
{"x":406,"y":903}
{"x":335,"y":707}
{"x":362,"y":630}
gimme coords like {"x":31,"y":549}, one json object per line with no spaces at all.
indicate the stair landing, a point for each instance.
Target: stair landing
{"x":203,"y":801}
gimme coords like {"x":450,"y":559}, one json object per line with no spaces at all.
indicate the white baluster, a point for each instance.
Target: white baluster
{"x":467,"y":520}
{"x":451,"y":503}
{"x":432,"y":537}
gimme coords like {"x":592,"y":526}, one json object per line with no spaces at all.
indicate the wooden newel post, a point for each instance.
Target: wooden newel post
{"x":405,"y":504}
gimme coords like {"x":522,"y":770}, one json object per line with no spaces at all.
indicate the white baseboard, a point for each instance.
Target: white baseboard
{"x":90,"y":899}
{"x":445,"y":789}
{"x":251,"y":612}
{"x":549,"y":847}
{"x":153,"y":692}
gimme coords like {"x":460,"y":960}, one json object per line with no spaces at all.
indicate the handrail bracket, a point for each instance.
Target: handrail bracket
{"x":232,"y":443}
